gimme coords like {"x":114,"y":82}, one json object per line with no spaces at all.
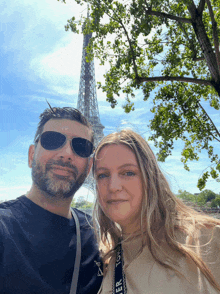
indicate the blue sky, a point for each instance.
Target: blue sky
{"x":40,"y":60}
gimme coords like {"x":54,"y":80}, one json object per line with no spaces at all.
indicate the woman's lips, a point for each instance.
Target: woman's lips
{"x":116,"y":201}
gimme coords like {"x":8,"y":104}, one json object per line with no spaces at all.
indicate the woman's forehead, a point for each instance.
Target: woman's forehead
{"x":115,"y":155}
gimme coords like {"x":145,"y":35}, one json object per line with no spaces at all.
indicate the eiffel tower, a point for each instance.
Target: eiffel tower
{"x":87,"y":100}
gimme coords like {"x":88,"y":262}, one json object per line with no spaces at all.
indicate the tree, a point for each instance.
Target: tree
{"x":73,"y":203}
{"x":180,"y":41}
{"x":216,"y":202}
{"x":186,"y":196}
{"x":205,"y":196}
{"x":82,"y":203}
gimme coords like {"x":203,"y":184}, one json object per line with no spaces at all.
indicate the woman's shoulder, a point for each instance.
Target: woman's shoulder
{"x":205,"y":240}
{"x":210,"y":249}
{"x":203,"y":232}
{"x":207,"y":237}
{"x":216,"y":235}
{"x":210,"y":235}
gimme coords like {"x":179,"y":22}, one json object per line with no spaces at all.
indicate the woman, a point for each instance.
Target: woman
{"x":151,"y":242}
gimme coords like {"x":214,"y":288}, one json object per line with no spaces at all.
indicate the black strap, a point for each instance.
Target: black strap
{"x":78,"y":255}
{"x":119,"y":283}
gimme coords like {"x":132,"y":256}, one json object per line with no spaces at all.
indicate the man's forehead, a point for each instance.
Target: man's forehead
{"x":68,"y":127}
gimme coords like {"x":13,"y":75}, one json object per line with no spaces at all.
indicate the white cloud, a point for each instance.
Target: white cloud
{"x":65,"y":60}
{"x":105,"y":108}
{"x":60,"y":69}
{"x":31,"y":29}
{"x":32,"y":12}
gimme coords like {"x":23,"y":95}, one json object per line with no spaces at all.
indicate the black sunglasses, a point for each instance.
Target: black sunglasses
{"x":53,"y":140}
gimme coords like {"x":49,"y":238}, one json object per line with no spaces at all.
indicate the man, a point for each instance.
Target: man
{"x":38,"y":234}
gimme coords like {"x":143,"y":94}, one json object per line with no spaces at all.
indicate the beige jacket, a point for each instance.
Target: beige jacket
{"x":145,"y":276}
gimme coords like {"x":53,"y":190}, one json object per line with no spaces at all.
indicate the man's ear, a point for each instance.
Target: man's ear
{"x":31,"y":155}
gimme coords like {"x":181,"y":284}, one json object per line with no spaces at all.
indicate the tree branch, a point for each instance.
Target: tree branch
{"x":192,"y":47}
{"x":132,"y":51}
{"x":211,"y":122}
{"x":198,"y":58}
{"x":215,"y":33}
{"x":129,"y":41}
{"x":149,"y":11}
{"x":205,"y":43}
{"x":198,"y":119}
{"x":180,"y":20}
{"x":201,"y":6}
{"x":177,"y":79}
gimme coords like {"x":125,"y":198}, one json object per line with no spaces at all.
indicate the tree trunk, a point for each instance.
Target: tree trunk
{"x":205,"y":45}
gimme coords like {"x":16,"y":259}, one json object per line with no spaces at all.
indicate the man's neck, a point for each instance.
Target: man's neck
{"x":57,"y":206}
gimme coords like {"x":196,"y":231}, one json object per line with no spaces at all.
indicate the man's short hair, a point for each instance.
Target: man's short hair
{"x":61,"y":113}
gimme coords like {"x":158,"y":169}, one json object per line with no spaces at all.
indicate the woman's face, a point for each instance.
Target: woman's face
{"x":119,"y":185}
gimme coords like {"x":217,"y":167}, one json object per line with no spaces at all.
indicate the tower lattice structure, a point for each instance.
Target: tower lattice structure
{"x":87,"y":100}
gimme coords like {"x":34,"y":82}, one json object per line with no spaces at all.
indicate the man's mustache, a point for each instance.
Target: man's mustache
{"x":63,"y":164}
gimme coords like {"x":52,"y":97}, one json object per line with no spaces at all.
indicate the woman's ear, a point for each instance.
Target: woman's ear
{"x":31,"y":155}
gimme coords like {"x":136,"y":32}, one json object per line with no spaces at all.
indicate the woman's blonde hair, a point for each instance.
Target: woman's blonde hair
{"x":163,"y":215}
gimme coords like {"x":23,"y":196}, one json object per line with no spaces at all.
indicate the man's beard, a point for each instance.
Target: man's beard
{"x":58,"y":187}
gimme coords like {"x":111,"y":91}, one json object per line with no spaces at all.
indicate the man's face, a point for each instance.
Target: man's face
{"x":60,"y":173}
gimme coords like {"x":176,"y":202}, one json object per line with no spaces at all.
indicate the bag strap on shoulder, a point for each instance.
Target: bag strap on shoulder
{"x":74,"y":282}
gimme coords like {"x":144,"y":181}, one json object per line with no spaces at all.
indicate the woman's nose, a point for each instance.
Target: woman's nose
{"x":115,"y":183}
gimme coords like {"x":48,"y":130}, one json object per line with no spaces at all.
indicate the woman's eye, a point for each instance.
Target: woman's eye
{"x":130,"y":173}
{"x":101,"y":176}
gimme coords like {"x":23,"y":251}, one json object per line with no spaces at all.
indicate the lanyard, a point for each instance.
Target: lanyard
{"x":78,"y":255}
{"x":119,"y":283}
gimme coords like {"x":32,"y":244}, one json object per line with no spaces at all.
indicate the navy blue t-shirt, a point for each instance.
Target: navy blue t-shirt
{"x":35,"y":256}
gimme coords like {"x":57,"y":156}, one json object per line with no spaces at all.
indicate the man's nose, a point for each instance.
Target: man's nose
{"x":66,"y":151}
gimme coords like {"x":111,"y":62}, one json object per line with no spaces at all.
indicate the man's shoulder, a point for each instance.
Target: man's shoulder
{"x":12,"y":210}
{"x":10,"y":204}
{"x":9,"y":211}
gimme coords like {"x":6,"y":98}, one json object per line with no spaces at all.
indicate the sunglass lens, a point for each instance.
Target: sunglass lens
{"x":52,"y":140}
{"x":82,"y":147}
